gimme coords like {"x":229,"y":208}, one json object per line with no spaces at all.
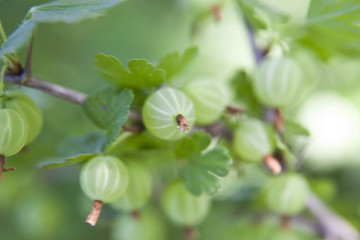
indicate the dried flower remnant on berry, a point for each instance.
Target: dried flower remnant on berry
{"x":181,"y":121}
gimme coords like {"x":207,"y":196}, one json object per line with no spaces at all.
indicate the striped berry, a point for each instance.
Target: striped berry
{"x":168,"y":114}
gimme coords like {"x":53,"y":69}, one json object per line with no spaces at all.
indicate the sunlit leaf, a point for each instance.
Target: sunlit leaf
{"x":175,"y":62}
{"x":203,"y":169}
{"x":333,"y":27}
{"x":141,"y":74}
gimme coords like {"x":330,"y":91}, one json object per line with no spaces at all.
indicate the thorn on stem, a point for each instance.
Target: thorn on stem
{"x":181,"y":121}
{"x":95,"y":213}
{"x":273,"y":164}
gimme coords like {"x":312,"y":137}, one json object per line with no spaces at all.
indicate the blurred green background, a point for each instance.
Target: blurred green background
{"x":49,"y":204}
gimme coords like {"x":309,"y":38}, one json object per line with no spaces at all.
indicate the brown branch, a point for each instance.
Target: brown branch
{"x":47,"y":87}
{"x":334,"y":226}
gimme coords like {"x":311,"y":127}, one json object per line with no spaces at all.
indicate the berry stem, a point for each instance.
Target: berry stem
{"x":190,"y":233}
{"x":273,"y":164}
{"x":136,"y":215}
{"x":2,"y":169}
{"x":216,"y":11}
{"x":285,"y":221}
{"x":279,"y":121}
{"x":95,"y":213}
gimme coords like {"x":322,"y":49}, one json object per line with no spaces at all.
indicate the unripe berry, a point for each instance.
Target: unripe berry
{"x":13,"y":132}
{"x":104,"y":178}
{"x":138,"y":192}
{"x":28,"y":110}
{"x":182,"y":207}
{"x":287,"y":193}
{"x":209,"y":97}
{"x":162,"y":110}
{"x":147,"y":226}
{"x":251,"y":141}
{"x":277,"y":82}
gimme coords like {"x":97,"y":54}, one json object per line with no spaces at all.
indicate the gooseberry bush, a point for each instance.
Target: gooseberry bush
{"x":191,"y":139}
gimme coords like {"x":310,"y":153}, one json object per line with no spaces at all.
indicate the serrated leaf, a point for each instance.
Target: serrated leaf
{"x":68,"y":161}
{"x":332,"y":27}
{"x":61,"y":10}
{"x":18,"y":38}
{"x":109,"y":110}
{"x":295,"y":128}
{"x":142,"y":73}
{"x":201,"y":174}
{"x":174,"y":62}
{"x":69,"y":10}
{"x":193,"y":145}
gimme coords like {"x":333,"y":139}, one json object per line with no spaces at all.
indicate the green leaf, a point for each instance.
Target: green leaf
{"x":193,"y":145}
{"x":90,"y":142}
{"x":292,"y":127}
{"x":109,"y":110}
{"x":251,"y":16}
{"x":332,"y":27}
{"x":68,"y":161}
{"x":242,"y":86}
{"x":202,"y":172}
{"x":174,"y":62}
{"x":18,"y":38}
{"x":61,"y":10}
{"x":283,"y":148}
{"x":69,"y":10}
{"x":204,"y":167}
{"x":142,"y":73}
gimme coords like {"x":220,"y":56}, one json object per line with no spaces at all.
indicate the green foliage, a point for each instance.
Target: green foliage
{"x":69,"y":10}
{"x":61,"y":10}
{"x":142,"y":73}
{"x":292,"y":127}
{"x":173,"y":63}
{"x":332,"y":27}
{"x":201,"y":163}
{"x":68,"y":161}
{"x":249,"y":12}
{"x":109,"y":110}
{"x":203,"y":169}
{"x":242,"y":87}
{"x":18,"y":38}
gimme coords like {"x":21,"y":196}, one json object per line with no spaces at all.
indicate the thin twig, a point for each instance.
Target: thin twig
{"x":334,"y":226}
{"x":47,"y":87}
